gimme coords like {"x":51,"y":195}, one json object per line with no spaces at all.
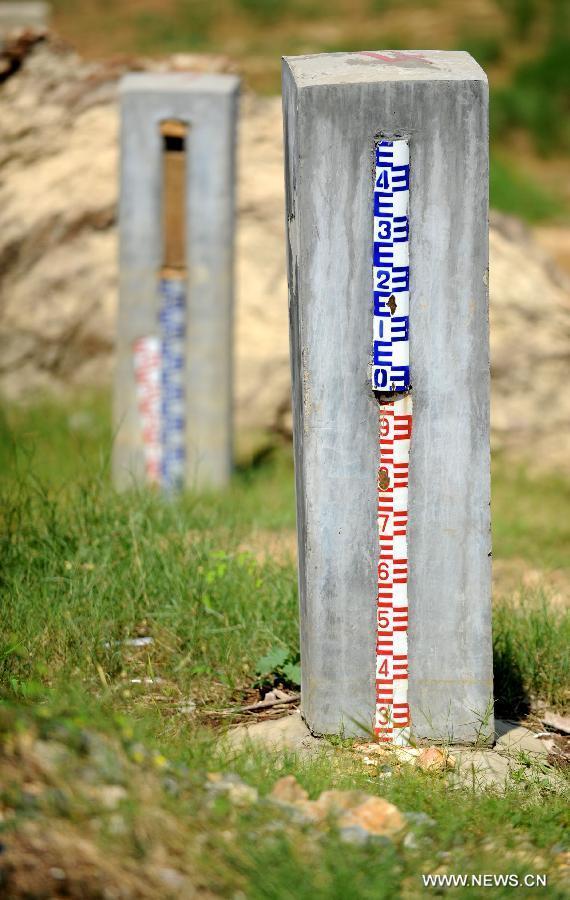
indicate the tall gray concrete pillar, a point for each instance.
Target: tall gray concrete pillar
{"x":173,"y":386}
{"x":387,"y":187}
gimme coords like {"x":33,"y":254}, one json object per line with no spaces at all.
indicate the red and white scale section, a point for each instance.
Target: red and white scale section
{"x":392,"y":716}
{"x":147,"y":362}
{"x":391,"y":379}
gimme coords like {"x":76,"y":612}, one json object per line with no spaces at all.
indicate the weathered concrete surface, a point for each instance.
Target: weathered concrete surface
{"x":208,"y":103}
{"x":334,"y":105}
{"x":287,"y":733}
{"x":514,"y":737}
{"x":484,"y":768}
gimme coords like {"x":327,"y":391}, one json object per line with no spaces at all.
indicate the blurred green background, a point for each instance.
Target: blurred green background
{"x":524,"y":45}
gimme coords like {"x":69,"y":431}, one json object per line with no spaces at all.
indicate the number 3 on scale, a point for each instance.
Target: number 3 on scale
{"x":383,"y":715}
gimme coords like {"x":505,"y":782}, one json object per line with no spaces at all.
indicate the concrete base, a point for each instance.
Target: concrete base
{"x":287,"y":733}
{"x":477,"y":768}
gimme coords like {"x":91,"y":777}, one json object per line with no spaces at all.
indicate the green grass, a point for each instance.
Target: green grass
{"x":166,"y":815}
{"x":513,"y":192}
{"x":83,"y":569}
{"x":531,"y":656}
{"x":537,"y":97}
{"x":530,"y":516}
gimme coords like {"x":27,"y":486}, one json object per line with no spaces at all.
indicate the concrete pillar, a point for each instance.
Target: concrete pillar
{"x":337,"y":109}
{"x":17,"y":16}
{"x":173,"y":387}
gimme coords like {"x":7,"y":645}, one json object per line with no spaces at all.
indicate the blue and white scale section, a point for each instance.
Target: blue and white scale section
{"x":159,"y":376}
{"x":391,"y":267}
{"x":172,"y":319}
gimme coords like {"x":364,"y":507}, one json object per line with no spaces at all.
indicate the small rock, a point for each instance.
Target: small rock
{"x":110,"y":795}
{"x":171,"y":877}
{"x":287,"y":790}
{"x":376,"y":815}
{"x":407,"y":755}
{"x":57,"y":873}
{"x":388,"y":752}
{"x":275,"y":696}
{"x":434,"y":759}
{"x":420,"y":818}
{"x":240,"y":793}
{"x":333,"y":803}
{"x":369,"y":762}
{"x":411,"y":842}
{"x":560,"y":723}
{"x":139,"y":641}
{"x":372,"y":749}
{"x":356,"y":834}
{"x":50,"y":755}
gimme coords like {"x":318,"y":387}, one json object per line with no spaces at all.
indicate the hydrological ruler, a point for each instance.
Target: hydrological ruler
{"x":159,"y":362}
{"x":391,"y":382}
{"x":159,"y":374}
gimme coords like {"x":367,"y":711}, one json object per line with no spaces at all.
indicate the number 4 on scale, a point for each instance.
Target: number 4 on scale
{"x":382,"y":668}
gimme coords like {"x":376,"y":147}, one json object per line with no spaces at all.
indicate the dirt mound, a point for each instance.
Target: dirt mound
{"x":79,"y":802}
{"x":58,"y":275}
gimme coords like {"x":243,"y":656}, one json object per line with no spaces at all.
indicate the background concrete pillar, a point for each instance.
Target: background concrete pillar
{"x":336,"y":106}
{"x":14,"y":16}
{"x":161,"y":307}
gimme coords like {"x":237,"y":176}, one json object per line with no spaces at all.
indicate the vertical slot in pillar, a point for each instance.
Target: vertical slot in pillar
{"x":173,"y":281}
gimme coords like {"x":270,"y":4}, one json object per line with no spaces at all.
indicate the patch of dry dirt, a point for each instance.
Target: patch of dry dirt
{"x":280,"y":546}
{"x":75,"y":806}
{"x":511,"y":576}
{"x":555,"y":241}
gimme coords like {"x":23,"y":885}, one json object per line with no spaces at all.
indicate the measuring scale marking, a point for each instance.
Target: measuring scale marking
{"x":391,"y":378}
